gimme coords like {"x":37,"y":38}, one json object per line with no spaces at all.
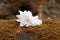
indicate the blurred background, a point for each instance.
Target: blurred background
{"x":44,"y":8}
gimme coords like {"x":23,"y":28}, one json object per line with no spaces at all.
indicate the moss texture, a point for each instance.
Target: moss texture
{"x":10,"y":30}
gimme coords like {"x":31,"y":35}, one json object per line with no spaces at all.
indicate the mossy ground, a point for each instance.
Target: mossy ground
{"x":49,"y":30}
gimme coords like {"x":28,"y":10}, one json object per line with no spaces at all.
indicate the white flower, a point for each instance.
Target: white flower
{"x":26,"y":19}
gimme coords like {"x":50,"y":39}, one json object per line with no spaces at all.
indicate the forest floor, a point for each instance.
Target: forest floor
{"x":49,"y":30}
